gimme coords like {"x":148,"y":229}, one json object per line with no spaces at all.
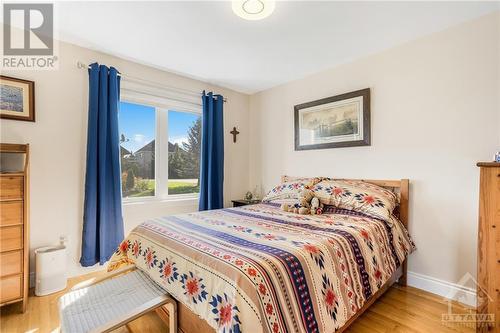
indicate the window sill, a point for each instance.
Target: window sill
{"x":174,"y":201}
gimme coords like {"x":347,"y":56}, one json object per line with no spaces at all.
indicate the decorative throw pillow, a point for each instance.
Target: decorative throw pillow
{"x":358,"y":196}
{"x":290,"y":189}
{"x":314,"y":180}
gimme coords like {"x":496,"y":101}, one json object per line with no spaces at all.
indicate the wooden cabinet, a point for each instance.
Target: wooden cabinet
{"x":14,"y":232}
{"x":488,"y":271}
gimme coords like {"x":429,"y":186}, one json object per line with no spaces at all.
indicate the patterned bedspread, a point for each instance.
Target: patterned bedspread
{"x":259,"y":269}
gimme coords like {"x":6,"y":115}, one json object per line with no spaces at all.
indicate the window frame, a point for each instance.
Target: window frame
{"x":162,"y":106}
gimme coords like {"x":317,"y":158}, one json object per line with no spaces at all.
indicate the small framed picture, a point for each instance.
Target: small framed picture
{"x":17,"y":99}
{"x":334,"y":122}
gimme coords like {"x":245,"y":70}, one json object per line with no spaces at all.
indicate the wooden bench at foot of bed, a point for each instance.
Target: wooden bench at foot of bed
{"x":104,"y":304}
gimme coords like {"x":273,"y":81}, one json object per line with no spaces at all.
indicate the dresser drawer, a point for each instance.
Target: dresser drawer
{"x":11,"y":288}
{"x":11,"y":238}
{"x":11,"y":187}
{"x":11,"y":263}
{"x":11,"y":213}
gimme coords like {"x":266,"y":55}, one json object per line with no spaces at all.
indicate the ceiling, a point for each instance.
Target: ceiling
{"x":205,"y":40}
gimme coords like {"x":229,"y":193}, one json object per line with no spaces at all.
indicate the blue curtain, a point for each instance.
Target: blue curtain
{"x":102,"y":218}
{"x":212,"y":153}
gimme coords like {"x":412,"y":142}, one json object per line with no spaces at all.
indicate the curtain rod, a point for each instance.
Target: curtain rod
{"x":81,"y":65}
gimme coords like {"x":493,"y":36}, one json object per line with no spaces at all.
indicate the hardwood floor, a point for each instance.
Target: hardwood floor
{"x":401,"y":309}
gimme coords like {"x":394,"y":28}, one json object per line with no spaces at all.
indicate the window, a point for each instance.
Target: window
{"x":184,"y":148}
{"x":137,"y":149}
{"x":160,"y":150}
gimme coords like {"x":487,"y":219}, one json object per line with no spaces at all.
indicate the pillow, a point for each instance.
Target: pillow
{"x":358,"y":196}
{"x":289,"y":189}
{"x":314,"y":180}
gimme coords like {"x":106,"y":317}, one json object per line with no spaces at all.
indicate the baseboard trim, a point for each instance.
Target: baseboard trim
{"x":443,"y":288}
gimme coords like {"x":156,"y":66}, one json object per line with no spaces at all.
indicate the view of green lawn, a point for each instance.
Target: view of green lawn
{"x":183,"y":186}
{"x":142,"y":188}
{"x":146,"y":187}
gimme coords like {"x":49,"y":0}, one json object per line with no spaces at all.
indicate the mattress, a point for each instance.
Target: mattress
{"x":259,"y":269}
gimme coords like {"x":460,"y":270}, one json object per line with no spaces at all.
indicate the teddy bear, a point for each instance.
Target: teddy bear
{"x":295,"y":208}
{"x":316,"y":206}
{"x":304,"y":203}
{"x":305,"y":197}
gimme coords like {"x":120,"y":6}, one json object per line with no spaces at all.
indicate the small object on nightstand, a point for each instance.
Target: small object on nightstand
{"x":256,"y":192}
{"x":497,"y":157}
{"x":243,"y":202}
{"x":248,"y":196}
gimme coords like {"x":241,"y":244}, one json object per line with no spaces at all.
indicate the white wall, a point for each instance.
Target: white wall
{"x":435,"y":112}
{"x":58,"y":147}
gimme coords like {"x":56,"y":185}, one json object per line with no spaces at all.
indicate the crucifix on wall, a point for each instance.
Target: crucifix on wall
{"x":234,"y":132}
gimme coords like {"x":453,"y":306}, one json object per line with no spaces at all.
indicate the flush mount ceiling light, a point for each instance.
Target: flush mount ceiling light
{"x":253,"y":9}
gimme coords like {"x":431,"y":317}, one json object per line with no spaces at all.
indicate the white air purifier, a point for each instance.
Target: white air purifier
{"x":50,"y":269}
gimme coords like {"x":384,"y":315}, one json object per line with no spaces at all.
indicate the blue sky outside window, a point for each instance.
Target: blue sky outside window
{"x":138,"y":124}
{"x":138,"y":138}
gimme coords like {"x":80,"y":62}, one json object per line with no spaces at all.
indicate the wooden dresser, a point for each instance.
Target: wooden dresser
{"x":14,"y":232}
{"x":488,"y":270}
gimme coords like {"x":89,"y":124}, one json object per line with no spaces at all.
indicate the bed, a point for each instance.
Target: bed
{"x":257,"y":268}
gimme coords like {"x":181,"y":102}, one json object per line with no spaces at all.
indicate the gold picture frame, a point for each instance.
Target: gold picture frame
{"x":17,"y":99}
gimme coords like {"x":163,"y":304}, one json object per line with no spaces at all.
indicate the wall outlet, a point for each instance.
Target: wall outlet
{"x":63,"y":239}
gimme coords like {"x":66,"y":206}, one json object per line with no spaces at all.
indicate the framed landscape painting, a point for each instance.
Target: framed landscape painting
{"x":17,"y":99}
{"x":334,"y":122}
